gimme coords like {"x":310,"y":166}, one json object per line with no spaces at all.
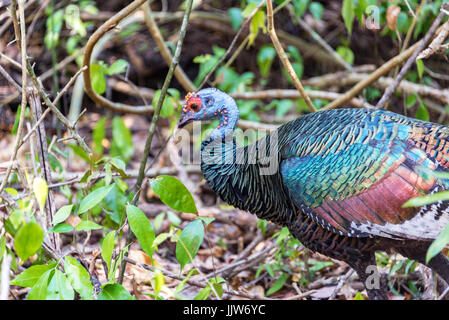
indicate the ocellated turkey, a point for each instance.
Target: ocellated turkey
{"x":337,"y":179}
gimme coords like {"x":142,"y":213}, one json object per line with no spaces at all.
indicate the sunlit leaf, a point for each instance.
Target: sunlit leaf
{"x":40,"y":190}
{"x":28,"y":240}
{"x":114,"y":291}
{"x":173,"y":193}
{"x":79,"y":278}
{"x":94,"y":198}
{"x":142,"y":228}
{"x":189,"y":242}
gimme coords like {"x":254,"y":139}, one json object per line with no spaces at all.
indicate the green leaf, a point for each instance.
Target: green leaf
{"x":30,"y":276}
{"x":189,"y":242}
{"x":114,"y":291}
{"x":119,"y":66}
{"x":40,"y":190}
{"x":411,"y":100}
{"x":61,"y":228}
{"x":347,"y":11}
{"x":54,"y":26}
{"x":73,"y":19}
{"x":427,"y":199}
{"x":316,"y":9}
{"x":346,"y":54}
{"x":60,"y":288}
{"x":168,"y":106}
{"x":39,"y":290}
{"x":300,"y":7}
{"x":16,"y":120}
{"x":257,"y":22}
{"x":87,"y":225}
{"x":107,"y":248}
{"x":283,"y":106}
{"x":173,"y":193}
{"x":94,"y":198}
{"x":62,"y":214}
{"x":97,"y":75}
{"x":203,"y":294}
{"x":358,"y":296}
{"x":142,"y":228}
{"x":79,"y":278}
{"x":98,"y":134}
{"x":438,"y":244}
{"x":122,"y":142}
{"x":265,"y":59}
{"x":28,"y":240}
{"x":421,"y":112}
{"x":278,"y":284}
{"x":420,"y":67}
{"x":235,"y":15}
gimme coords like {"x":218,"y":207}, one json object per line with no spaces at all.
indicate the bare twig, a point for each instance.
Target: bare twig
{"x":10,"y":79}
{"x":319,"y":40}
{"x":4,"y":279}
{"x":284,"y":58}
{"x":231,"y":46}
{"x":107,"y":26}
{"x":165,"y":52}
{"x":200,"y":284}
{"x":68,"y":85}
{"x":382,"y":70}
{"x":340,"y":284}
{"x":21,"y":40}
{"x":390,"y":90}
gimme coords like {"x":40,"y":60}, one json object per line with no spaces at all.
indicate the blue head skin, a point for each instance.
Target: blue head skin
{"x":207,"y":104}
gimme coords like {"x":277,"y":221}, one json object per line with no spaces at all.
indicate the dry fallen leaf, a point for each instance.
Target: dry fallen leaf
{"x":392,"y":16}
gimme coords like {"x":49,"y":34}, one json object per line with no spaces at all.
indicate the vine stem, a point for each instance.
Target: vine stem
{"x":153,"y":124}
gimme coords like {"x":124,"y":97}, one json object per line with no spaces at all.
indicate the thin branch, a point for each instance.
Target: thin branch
{"x":21,"y":40}
{"x":231,"y":46}
{"x":164,"y":50}
{"x":93,"y":39}
{"x":284,"y":58}
{"x":154,"y":121}
{"x":10,"y":79}
{"x":382,"y":70}
{"x":411,"y":60}
{"x":319,"y":40}
{"x":68,"y":85}
{"x":200,"y":284}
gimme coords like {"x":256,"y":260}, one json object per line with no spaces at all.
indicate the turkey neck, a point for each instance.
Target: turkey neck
{"x":238,"y":175}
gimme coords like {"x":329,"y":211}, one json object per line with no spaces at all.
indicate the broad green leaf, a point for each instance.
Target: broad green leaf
{"x":316,"y":9}
{"x":61,"y":228}
{"x":97,"y":75}
{"x":39,"y":289}
{"x":119,"y":66}
{"x":358,"y":296}
{"x":411,"y":100}
{"x":122,"y":142}
{"x":235,"y":15}
{"x":189,"y":242}
{"x":87,"y":225}
{"x":173,"y":193}
{"x":438,"y":244}
{"x":119,"y":166}
{"x":347,"y":11}
{"x":114,"y":291}
{"x":107,"y":248}
{"x":79,"y":278}
{"x":98,"y":134}
{"x":421,"y":112}
{"x":60,"y":288}
{"x":30,"y":276}
{"x":94,"y":198}
{"x":12,"y":191}
{"x":278,"y":284}
{"x":346,"y":54}
{"x":168,"y":105}
{"x":300,"y":7}
{"x":257,"y":22}
{"x":73,"y":19}
{"x":203,"y":294}
{"x":427,"y":199}
{"x":141,"y":227}
{"x":62,"y":214}
{"x":28,"y":240}
{"x":265,"y":59}
{"x":40,"y":190}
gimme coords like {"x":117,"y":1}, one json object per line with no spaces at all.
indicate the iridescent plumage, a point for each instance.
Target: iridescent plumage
{"x":342,"y":178}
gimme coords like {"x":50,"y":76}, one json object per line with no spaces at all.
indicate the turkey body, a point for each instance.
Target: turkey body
{"x":339,"y":183}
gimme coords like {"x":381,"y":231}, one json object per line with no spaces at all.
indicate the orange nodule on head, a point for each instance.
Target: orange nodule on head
{"x":193,"y":102}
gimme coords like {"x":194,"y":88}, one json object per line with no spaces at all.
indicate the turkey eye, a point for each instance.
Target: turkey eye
{"x":194,"y":107}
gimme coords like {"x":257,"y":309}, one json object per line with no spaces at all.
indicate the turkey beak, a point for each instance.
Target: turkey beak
{"x":185,"y":119}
